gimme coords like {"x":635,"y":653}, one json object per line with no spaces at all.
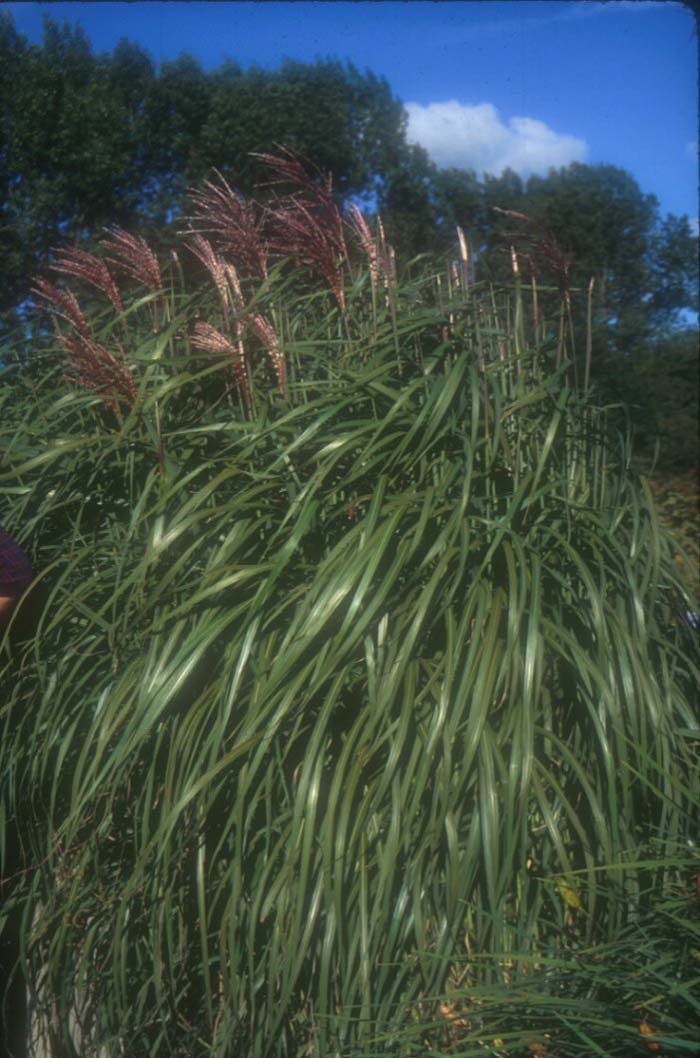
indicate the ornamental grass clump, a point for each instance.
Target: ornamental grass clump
{"x":361,"y":718}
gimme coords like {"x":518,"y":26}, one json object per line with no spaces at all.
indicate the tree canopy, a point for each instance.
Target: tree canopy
{"x":87,"y":139}
{"x":91,"y":139}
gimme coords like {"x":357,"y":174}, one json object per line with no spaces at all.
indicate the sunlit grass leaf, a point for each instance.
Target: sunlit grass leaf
{"x":350,"y":707}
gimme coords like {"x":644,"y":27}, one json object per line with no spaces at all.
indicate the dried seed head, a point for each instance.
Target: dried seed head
{"x":463,"y":250}
{"x":296,"y":231}
{"x":232,"y":276}
{"x":513,"y":214}
{"x":209,"y":340}
{"x":62,"y":303}
{"x":541,"y":250}
{"x":266,"y":334}
{"x":96,"y":368}
{"x":234,"y":224}
{"x":215,"y":265}
{"x":392,"y":264}
{"x":313,"y":188}
{"x":361,"y":228}
{"x":75,"y":262}
{"x":133,"y":256}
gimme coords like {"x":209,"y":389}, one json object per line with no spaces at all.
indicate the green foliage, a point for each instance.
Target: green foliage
{"x":674,"y":261}
{"x":632,"y":995}
{"x":347,"y":122}
{"x":659,"y":387}
{"x":88,"y":140}
{"x":678,"y":499}
{"x":336,"y":693}
{"x":645,"y":268}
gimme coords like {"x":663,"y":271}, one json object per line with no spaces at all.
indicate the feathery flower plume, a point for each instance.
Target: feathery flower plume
{"x":513,"y":214}
{"x":535,"y":299}
{"x":463,"y":250}
{"x":133,"y":255}
{"x":386,"y":257}
{"x":381,"y":256}
{"x":95,"y":368}
{"x":209,"y":340}
{"x":62,"y":303}
{"x":292,"y":169}
{"x":266,"y":334}
{"x":88,"y":362}
{"x":359,"y":225}
{"x":215,"y":265}
{"x":232,"y":276}
{"x":463,"y":255}
{"x":297,"y":233}
{"x":541,"y":250}
{"x":307,"y":224}
{"x":221,"y":212}
{"x":85,"y":266}
{"x":392,"y":265}
{"x":558,"y":262}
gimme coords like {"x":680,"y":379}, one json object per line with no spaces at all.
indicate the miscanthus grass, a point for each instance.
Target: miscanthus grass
{"x":361,"y":715}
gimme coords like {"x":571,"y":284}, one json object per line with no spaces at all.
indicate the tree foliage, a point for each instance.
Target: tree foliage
{"x":88,"y":140}
{"x":360,"y":719}
{"x":94,"y":139}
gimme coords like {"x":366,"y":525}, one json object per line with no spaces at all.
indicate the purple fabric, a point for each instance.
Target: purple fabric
{"x":15,"y":568}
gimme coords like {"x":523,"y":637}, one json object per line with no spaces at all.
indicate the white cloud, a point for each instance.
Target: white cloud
{"x":691,"y":149}
{"x":475,"y":137}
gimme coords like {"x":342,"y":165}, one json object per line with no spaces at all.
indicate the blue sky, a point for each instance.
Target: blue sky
{"x":527,"y":83}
